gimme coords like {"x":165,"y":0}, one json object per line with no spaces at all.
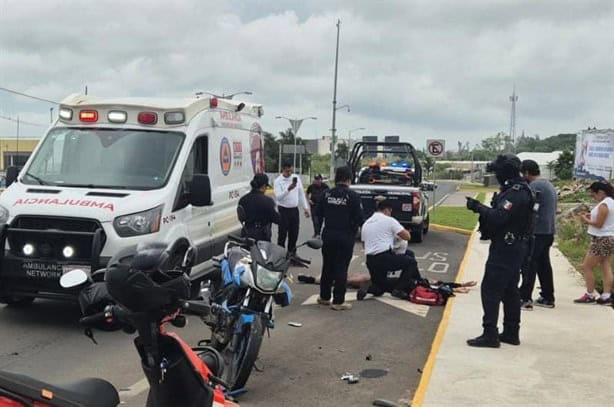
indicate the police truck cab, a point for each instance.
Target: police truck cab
{"x":111,"y":173}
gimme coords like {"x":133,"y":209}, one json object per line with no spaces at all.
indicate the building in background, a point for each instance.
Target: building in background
{"x":544,"y":160}
{"x":319,"y":146}
{"x":14,"y":152}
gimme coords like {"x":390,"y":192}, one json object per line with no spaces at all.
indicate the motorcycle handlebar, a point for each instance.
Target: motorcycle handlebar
{"x":198,"y":308}
{"x":110,"y":313}
{"x":297,"y":259}
{"x":96,"y":318}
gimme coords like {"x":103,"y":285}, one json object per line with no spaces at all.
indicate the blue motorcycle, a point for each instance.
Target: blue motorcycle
{"x":251,"y":278}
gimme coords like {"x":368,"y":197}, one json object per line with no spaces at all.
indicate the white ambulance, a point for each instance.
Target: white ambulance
{"x":111,"y":173}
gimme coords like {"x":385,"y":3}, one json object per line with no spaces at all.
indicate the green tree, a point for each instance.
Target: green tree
{"x":428,"y":165}
{"x":563,"y":167}
{"x":271,"y":152}
{"x":495,"y":143}
{"x":342,"y":151}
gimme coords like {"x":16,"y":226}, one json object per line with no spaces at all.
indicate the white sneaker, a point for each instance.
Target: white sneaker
{"x":341,"y":307}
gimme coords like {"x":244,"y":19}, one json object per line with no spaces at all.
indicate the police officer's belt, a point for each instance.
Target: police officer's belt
{"x":380,"y":253}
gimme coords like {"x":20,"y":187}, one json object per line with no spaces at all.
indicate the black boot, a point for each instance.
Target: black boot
{"x":400,"y":294}
{"x":510,"y":338}
{"x":362,"y":291}
{"x":510,"y":334}
{"x":484,"y":341}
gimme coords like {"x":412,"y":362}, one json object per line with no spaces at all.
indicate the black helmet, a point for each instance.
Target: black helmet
{"x":505,"y":166}
{"x":138,"y":279}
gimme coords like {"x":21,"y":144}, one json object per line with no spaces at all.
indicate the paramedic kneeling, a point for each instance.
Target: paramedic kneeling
{"x":378,"y":234}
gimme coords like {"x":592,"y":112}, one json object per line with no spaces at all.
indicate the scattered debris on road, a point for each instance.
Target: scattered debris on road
{"x":373,"y":373}
{"x":350,"y":378}
{"x":295,"y":324}
{"x":369,"y":357}
{"x":384,"y":403}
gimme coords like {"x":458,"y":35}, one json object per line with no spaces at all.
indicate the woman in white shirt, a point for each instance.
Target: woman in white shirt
{"x":601,"y":229}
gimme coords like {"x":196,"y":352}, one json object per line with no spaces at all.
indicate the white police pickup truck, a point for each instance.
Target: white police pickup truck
{"x":111,"y":173}
{"x":399,"y":181}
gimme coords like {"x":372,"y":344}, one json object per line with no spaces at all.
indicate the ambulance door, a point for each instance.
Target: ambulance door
{"x":197,"y":219}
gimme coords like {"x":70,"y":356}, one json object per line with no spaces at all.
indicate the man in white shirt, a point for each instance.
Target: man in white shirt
{"x":289,"y":194}
{"x":378,"y":234}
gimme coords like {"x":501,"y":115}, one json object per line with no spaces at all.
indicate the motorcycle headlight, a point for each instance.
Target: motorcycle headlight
{"x":140,"y":223}
{"x":4,"y":215}
{"x":268,"y":280}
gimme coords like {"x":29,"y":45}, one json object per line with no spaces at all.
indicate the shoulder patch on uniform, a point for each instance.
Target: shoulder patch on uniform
{"x":507,"y":205}
{"x":516,"y":187}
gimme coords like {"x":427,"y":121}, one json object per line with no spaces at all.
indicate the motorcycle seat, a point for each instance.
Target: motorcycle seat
{"x":90,"y":392}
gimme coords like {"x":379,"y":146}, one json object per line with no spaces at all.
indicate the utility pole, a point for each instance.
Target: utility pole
{"x":333,"y":138}
{"x":513,"y":99}
{"x":17,"y":147}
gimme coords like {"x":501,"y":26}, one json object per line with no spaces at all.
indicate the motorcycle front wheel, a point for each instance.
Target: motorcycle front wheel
{"x":245,"y":355}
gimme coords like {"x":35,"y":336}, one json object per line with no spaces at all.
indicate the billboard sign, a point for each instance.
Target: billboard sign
{"x":594,"y":158}
{"x":371,"y":150}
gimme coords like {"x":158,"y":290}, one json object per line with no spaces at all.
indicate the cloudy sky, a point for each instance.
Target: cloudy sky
{"x":417,"y":68}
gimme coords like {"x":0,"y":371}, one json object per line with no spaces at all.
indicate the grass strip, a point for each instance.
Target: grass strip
{"x":454,"y":216}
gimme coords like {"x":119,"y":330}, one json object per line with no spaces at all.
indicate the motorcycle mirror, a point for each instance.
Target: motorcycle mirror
{"x":73,"y":278}
{"x":314,"y":243}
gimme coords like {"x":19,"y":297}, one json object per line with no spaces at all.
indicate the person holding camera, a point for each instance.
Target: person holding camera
{"x":289,"y":194}
{"x":508,"y":223}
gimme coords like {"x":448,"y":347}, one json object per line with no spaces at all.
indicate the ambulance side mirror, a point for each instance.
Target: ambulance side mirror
{"x":200,"y":190}
{"x":11,"y":175}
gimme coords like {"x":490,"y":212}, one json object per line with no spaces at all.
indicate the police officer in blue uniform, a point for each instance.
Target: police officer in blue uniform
{"x":342,"y":214}
{"x":508,"y":225}
{"x":257,"y":211}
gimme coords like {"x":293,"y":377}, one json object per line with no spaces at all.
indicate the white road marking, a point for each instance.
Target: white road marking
{"x":416,"y":309}
{"x":134,"y":390}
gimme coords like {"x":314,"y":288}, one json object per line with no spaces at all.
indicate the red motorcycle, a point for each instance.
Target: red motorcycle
{"x":148,"y":296}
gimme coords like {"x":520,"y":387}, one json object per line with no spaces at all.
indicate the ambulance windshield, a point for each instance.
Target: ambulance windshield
{"x":105,"y":158}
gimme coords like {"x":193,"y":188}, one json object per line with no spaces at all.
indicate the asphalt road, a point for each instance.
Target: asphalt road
{"x":443,"y":189}
{"x":300,"y":366}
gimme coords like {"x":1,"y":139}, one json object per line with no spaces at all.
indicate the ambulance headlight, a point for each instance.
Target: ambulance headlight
{"x":4,"y":215}
{"x":28,"y":249}
{"x":141,"y":223}
{"x":68,"y":252}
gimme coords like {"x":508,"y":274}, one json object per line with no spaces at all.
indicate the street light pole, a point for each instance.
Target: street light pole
{"x":350,"y":138}
{"x":198,"y":94}
{"x":296,"y":124}
{"x":333,"y":140}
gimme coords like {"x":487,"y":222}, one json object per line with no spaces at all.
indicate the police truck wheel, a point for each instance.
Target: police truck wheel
{"x":426,"y":226}
{"x":416,"y":235}
{"x":16,"y":301}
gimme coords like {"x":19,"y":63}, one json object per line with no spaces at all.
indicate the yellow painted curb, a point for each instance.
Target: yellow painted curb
{"x":441,"y":330}
{"x":450,"y":229}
